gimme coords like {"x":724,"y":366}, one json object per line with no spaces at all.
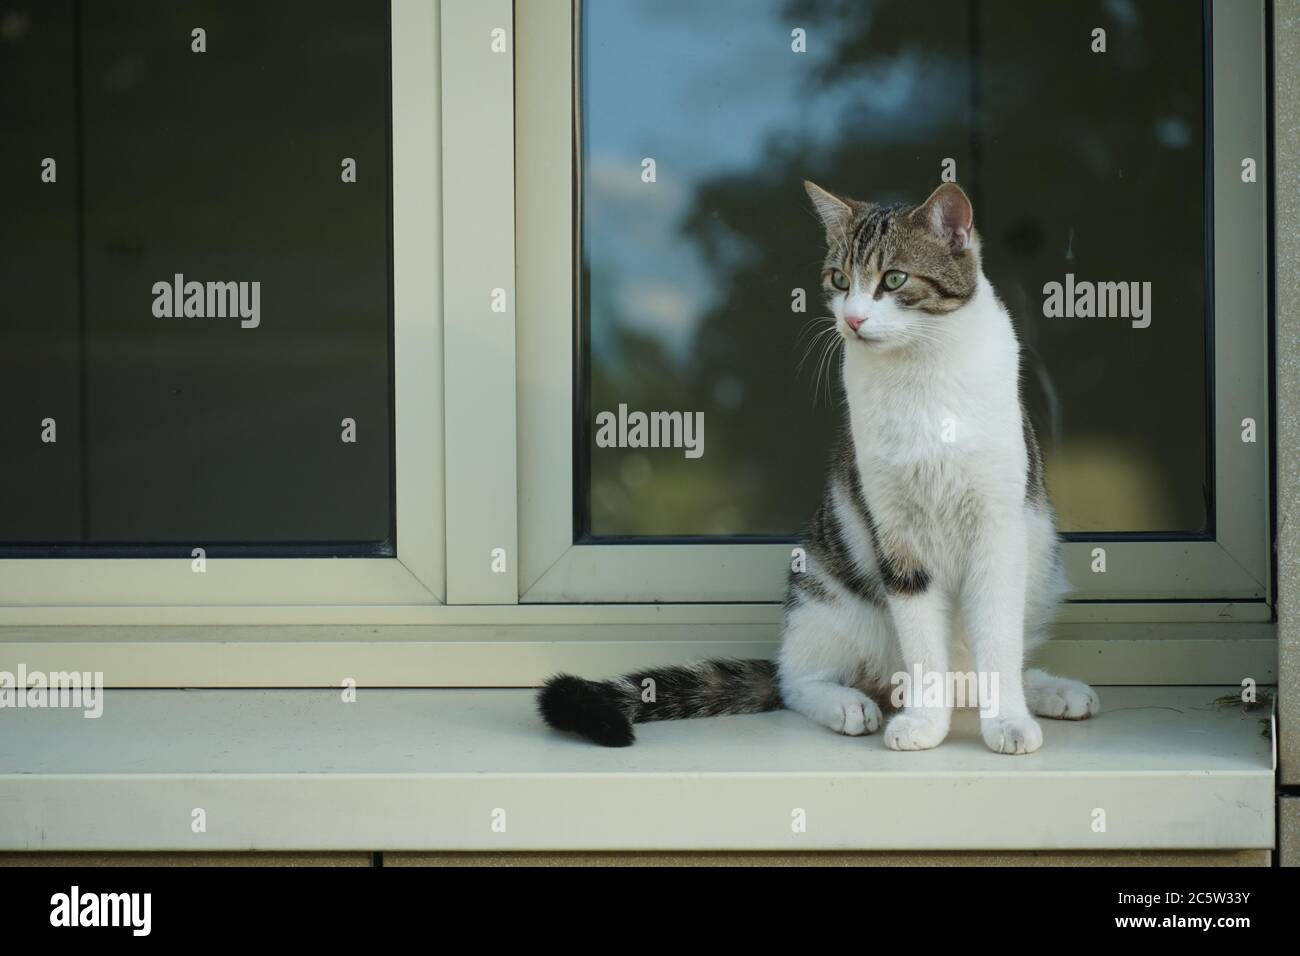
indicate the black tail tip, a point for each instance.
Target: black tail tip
{"x":587,"y":707}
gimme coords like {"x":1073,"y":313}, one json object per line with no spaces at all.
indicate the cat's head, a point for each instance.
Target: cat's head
{"x":894,"y":273}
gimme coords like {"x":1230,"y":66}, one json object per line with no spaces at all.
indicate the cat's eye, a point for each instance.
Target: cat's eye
{"x":839,"y":280}
{"x":894,"y":279}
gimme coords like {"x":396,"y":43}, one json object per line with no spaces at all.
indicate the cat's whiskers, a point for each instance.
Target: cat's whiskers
{"x":916,"y":335}
{"x":814,"y":339}
{"x":821,"y":341}
{"x":833,"y":340}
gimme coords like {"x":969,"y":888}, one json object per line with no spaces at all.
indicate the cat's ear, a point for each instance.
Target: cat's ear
{"x":833,"y":210}
{"x":949,"y":216}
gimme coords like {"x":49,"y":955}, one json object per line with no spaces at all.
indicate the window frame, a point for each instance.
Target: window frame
{"x":553,"y":568}
{"x":37,"y":589}
{"x":505,"y":458}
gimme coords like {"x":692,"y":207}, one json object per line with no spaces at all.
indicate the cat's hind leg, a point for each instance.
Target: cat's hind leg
{"x":818,"y":660}
{"x":845,"y":710}
{"x":1059,"y":697}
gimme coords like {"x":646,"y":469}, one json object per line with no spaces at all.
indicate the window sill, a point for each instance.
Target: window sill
{"x":434,"y":769}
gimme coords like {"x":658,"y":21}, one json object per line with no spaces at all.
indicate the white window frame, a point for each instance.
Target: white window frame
{"x":1235,"y":566}
{"x":36,"y":590}
{"x":483,"y":155}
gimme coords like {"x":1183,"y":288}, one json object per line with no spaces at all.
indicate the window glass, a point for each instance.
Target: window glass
{"x":196,"y":342}
{"x":698,"y":123}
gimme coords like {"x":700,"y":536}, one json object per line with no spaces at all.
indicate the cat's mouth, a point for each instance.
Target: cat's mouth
{"x":860,"y":335}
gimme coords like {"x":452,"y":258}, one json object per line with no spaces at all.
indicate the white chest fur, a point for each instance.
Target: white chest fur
{"x":937,"y":432}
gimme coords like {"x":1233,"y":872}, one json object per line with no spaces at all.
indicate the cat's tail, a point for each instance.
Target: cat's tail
{"x":605,"y":710}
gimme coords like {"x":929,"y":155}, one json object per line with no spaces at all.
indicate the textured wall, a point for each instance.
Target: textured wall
{"x":1286,"y":165}
{"x":1288,"y":831}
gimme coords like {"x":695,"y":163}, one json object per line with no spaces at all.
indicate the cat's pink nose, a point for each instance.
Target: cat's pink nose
{"x":854,"y":321}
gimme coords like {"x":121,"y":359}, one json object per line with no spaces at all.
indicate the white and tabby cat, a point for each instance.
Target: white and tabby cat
{"x":934,"y":547}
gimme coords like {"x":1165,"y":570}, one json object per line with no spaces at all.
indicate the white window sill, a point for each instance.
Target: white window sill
{"x":430,"y":769}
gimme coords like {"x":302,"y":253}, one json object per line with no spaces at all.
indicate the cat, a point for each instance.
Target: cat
{"x":934,"y":549}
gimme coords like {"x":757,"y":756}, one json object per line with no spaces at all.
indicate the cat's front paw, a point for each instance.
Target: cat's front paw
{"x":914,"y":732}
{"x":1012,"y":735}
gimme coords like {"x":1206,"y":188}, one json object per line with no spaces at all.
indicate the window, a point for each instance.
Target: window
{"x":386,"y":464}
{"x":477,"y":510}
{"x":695,"y":261}
{"x":217,"y":368}
{"x":691,"y":293}
{"x":206,"y":279}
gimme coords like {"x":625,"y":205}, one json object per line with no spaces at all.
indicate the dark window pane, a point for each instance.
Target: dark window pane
{"x":40,"y":482}
{"x":224,"y":168}
{"x":1078,"y":163}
